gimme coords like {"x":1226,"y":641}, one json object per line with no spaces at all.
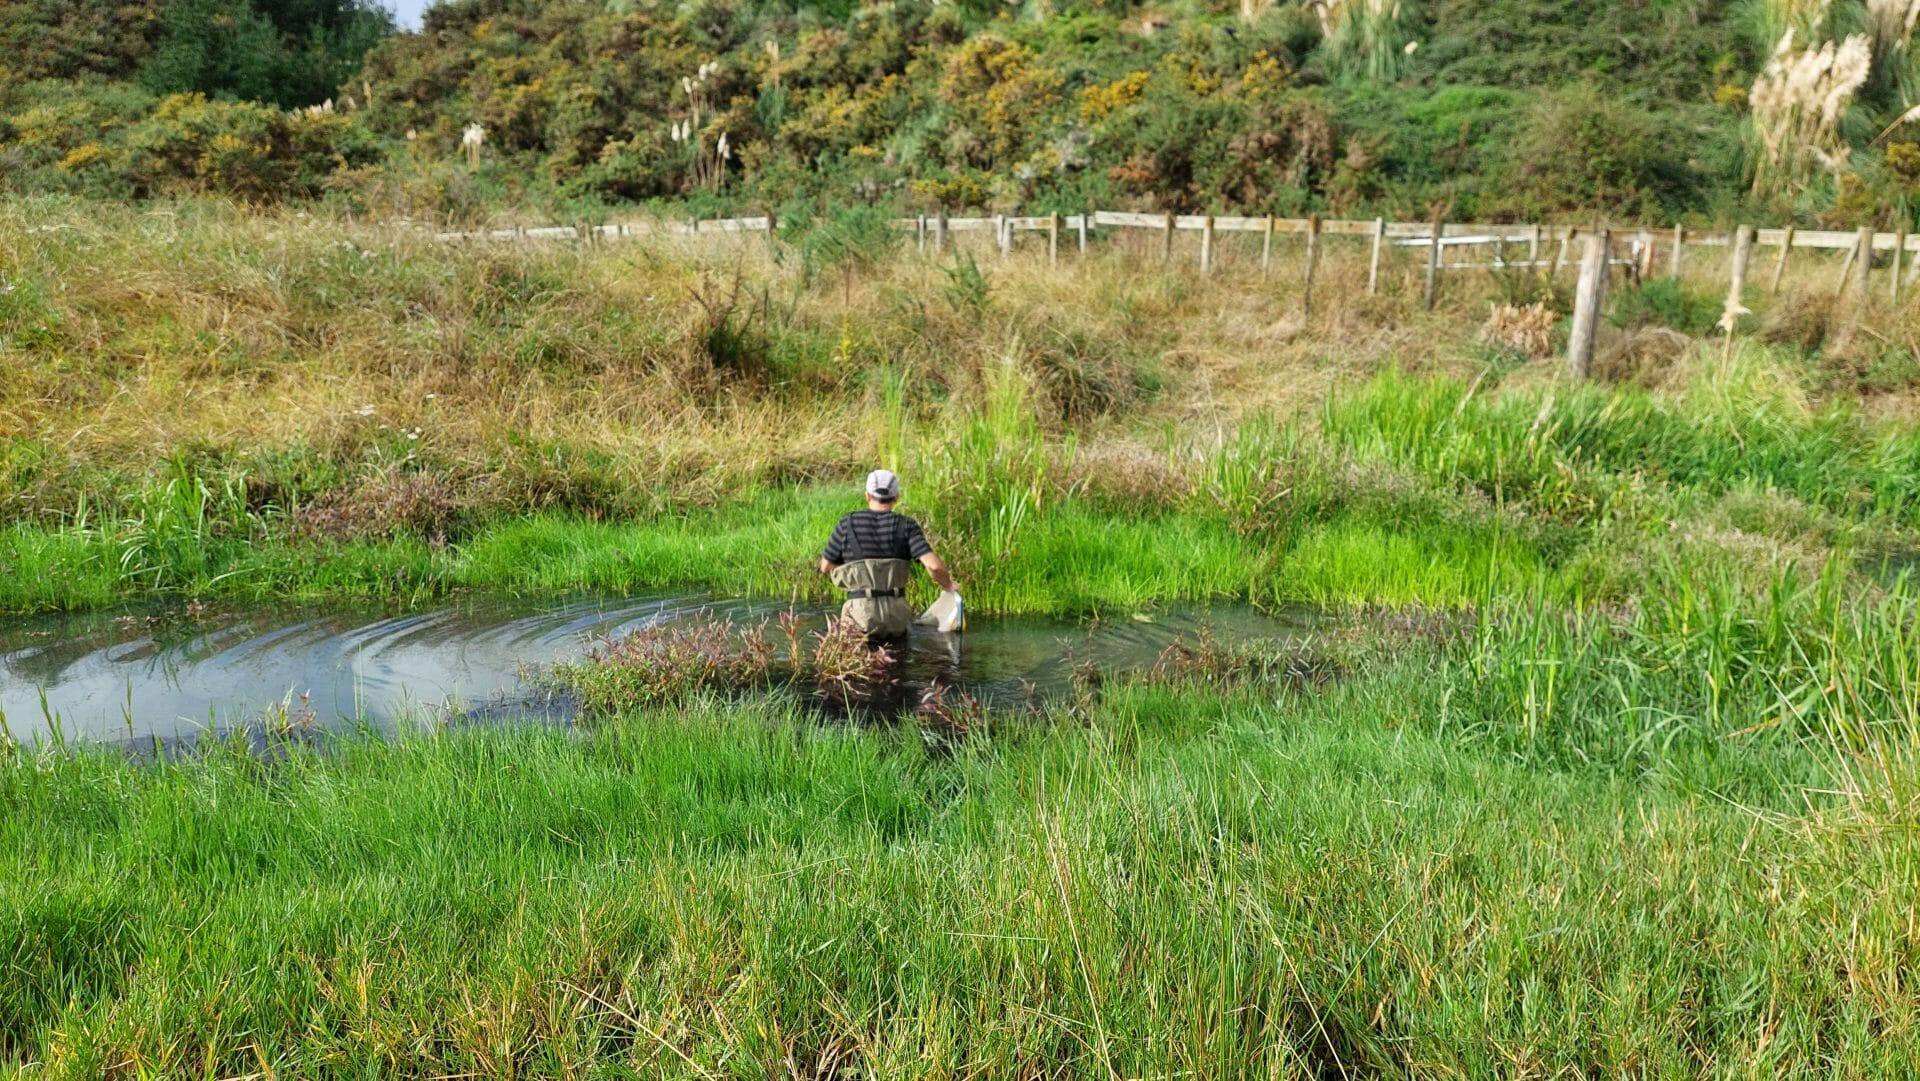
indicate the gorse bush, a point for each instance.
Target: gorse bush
{"x":123,"y":144}
{"x":1355,"y":108}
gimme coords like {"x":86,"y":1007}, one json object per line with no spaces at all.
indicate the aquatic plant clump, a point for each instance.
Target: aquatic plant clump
{"x":667,"y":663}
{"x":1210,"y":660}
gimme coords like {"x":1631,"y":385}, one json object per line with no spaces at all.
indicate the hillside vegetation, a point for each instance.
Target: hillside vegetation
{"x":1675,"y":109}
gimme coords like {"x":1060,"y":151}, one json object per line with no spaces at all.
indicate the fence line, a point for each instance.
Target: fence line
{"x":1601,"y":248}
{"x":1452,"y":233}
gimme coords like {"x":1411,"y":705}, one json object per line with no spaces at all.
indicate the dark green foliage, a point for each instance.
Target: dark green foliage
{"x":967,"y":288}
{"x":1581,"y":148}
{"x":923,"y":106}
{"x":1516,"y":110}
{"x":287,"y":52}
{"x":1432,"y":152}
{"x":1666,"y":50}
{"x":73,"y":39}
{"x":847,"y":240}
{"x":1664,"y":302}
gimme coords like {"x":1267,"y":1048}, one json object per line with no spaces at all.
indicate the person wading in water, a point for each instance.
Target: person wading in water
{"x":871,"y":554}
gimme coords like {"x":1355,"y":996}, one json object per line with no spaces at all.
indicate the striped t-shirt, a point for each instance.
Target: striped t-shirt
{"x":876,"y":534}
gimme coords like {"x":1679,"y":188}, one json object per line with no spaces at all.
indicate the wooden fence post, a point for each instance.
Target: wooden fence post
{"x":1266,"y":247}
{"x":1742,"y":255}
{"x":1373,"y":264}
{"x":1780,"y":263}
{"x":920,"y":233}
{"x":1899,"y":255}
{"x":1863,"y":267}
{"x":1846,"y":270}
{"x":1313,"y":257}
{"x":1166,"y":241}
{"x":1053,"y":239}
{"x":1587,"y":298}
{"x":1004,"y":234}
{"x":1433,"y":264}
{"x":1560,"y":256}
{"x":1085,"y":217}
{"x":1646,"y":254}
{"x":1674,"y":257}
{"x":940,"y":232}
{"x":1533,"y":249}
{"x":1206,"y":245}
{"x":1737,"y":285}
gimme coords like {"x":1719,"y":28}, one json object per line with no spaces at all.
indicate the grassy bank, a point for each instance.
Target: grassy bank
{"x":1140,"y":889}
{"x":213,"y":402}
{"x":1072,"y":558}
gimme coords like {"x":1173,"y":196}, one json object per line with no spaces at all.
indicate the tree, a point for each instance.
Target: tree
{"x":287,"y":52}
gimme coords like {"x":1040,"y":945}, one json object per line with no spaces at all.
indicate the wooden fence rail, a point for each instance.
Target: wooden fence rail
{"x":1452,"y":233}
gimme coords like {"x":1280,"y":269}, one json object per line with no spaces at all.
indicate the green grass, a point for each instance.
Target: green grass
{"x":1589,"y":451}
{"x":1177,"y":883}
{"x":1349,"y":562}
{"x":1059,"y":557}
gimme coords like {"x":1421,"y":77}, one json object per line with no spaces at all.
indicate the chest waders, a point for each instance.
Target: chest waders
{"x":876,"y":595}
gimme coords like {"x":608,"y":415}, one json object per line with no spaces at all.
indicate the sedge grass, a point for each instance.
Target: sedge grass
{"x":1181,"y":882}
{"x":1065,"y":557}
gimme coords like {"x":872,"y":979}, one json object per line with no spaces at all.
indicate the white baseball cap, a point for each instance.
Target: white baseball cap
{"x":884,"y":485}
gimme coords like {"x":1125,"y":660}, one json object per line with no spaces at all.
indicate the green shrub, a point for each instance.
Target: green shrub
{"x":1580,"y":149}
{"x":1664,"y":302}
{"x":118,"y":142}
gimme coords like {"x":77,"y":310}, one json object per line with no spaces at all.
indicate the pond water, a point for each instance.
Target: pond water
{"x":173,"y":675}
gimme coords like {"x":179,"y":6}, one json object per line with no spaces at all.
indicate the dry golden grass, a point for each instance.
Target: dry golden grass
{"x":624,"y":374}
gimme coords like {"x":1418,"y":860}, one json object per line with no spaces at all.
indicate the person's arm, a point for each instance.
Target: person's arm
{"x":833,"y":556}
{"x":920,"y":549}
{"x":938,"y":569}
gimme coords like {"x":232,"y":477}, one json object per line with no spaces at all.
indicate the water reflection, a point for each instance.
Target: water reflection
{"x":171,"y":676}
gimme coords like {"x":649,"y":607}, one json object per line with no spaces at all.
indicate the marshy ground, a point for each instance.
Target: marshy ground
{"x":1619,"y":774}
